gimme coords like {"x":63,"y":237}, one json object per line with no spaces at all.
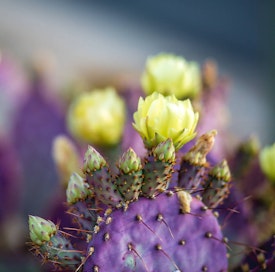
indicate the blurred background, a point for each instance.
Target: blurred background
{"x":117,"y":38}
{"x":109,"y":41}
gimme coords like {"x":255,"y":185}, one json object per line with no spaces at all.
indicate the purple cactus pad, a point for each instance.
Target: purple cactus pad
{"x":153,"y":235}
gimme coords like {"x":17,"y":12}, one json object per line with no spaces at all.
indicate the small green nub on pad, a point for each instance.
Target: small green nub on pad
{"x":93,"y":160}
{"x":41,"y":230}
{"x":129,"y":162}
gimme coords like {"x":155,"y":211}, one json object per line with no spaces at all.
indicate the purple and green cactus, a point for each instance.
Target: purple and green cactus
{"x":158,"y":211}
{"x":133,"y":219}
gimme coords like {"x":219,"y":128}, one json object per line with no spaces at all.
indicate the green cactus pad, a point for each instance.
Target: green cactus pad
{"x":129,"y":179}
{"x":77,"y":189}
{"x":217,"y":185}
{"x":157,"y":175}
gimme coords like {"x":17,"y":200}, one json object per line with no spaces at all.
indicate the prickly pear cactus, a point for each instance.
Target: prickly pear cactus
{"x":149,"y":213}
{"x":133,"y":220}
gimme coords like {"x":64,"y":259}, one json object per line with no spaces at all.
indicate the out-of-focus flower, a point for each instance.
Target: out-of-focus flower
{"x":169,"y":74}
{"x":267,"y":161}
{"x":159,"y":118}
{"x":98,"y":117}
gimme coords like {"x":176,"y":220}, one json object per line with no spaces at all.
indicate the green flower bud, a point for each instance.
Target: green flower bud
{"x":77,"y":189}
{"x":98,"y":117}
{"x":221,"y":171}
{"x":129,"y":162}
{"x":267,"y":161}
{"x":165,"y":151}
{"x":93,"y":160}
{"x":41,"y":230}
{"x":159,"y":118}
{"x":169,"y":74}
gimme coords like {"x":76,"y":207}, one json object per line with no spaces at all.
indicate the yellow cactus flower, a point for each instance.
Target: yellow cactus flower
{"x":169,"y":74}
{"x":267,"y":161}
{"x":97,"y":117}
{"x":159,"y":118}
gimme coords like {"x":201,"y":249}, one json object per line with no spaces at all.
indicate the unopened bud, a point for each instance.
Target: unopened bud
{"x":165,"y":151}
{"x":41,"y":230}
{"x":93,"y":160}
{"x":129,"y":162}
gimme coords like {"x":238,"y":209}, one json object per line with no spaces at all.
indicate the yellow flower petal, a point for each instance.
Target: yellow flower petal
{"x":159,"y":118}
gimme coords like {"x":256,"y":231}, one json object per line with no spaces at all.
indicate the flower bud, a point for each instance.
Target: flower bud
{"x":93,"y":160}
{"x":267,"y":161}
{"x":97,"y":117}
{"x":159,"y":118}
{"x":169,"y":74}
{"x":129,"y":162}
{"x":165,"y":151}
{"x":41,"y":230}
